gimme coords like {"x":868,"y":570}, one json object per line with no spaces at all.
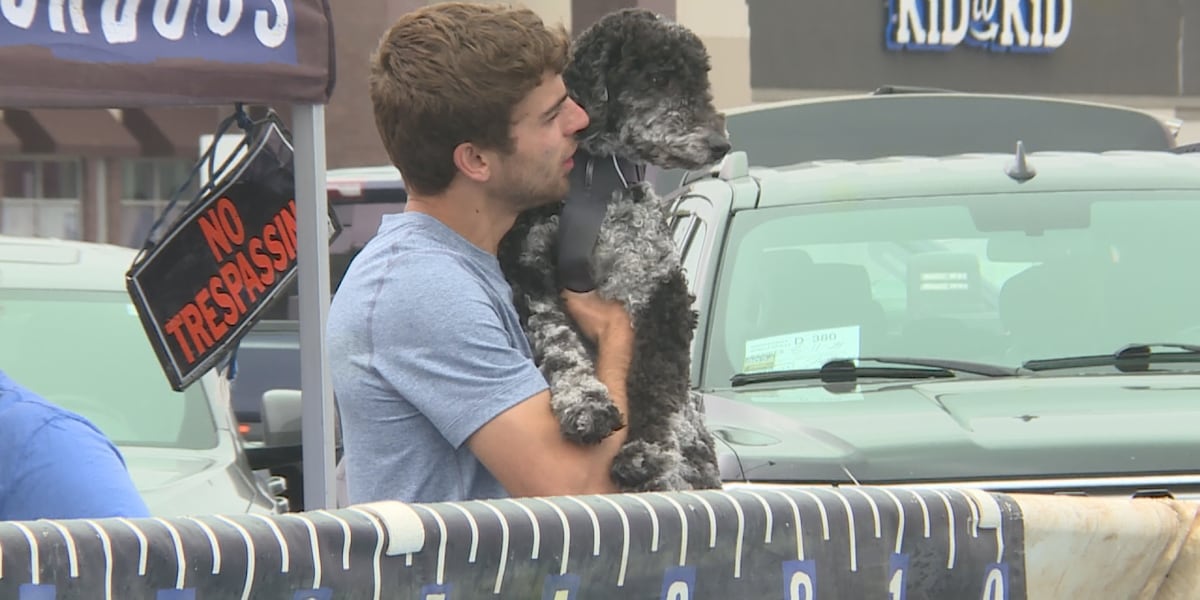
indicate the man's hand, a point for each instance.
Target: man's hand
{"x":597,"y":318}
{"x":608,"y":325}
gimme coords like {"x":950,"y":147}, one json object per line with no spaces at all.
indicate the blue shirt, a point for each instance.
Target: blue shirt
{"x":425,"y":347}
{"x":54,"y":464}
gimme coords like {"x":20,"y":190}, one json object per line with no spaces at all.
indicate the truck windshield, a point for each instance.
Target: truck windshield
{"x":984,"y":278}
{"x":87,"y":352}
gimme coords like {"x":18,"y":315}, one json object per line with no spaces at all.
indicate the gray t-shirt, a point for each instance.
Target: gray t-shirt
{"x":425,"y":347}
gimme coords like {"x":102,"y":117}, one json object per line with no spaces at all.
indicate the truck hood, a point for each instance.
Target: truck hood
{"x":959,"y":430}
{"x":176,"y":482}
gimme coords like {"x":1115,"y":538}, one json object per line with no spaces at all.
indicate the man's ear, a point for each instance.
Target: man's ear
{"x":474,"y":163}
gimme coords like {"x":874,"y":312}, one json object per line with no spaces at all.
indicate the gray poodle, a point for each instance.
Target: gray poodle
{"x":643,"y":81}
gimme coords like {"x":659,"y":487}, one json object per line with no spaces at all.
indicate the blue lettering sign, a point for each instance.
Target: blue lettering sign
{"x":898,"y":577}
{"x":316,"y":594}
{"x":679,"y":583}
{"x":799,"y":580}
{"x":561,"y":587}
{"x":143,"y":31}
{"x":995,"y":582}
{"x":435,"y":592}
{"x":29,"y":591}
{"x":996,"y":25}
{"x":173,"y":594}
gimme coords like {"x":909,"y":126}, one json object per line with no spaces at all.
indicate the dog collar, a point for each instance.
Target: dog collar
{"x":594,"y":180}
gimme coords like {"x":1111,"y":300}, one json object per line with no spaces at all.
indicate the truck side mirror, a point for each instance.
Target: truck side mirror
{"x":281,"y":412}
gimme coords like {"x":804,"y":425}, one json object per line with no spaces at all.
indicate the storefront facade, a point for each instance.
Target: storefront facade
{"x":1144,"y":54}
{"x":94,"y":174}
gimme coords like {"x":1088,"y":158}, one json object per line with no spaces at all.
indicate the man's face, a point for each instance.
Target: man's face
{"x":544,"y":125}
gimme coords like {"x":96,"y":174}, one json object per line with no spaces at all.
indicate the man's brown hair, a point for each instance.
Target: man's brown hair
{"x":453,"y":72}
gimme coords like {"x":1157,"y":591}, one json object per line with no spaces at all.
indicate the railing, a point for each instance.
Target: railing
{"x":795,"y":543}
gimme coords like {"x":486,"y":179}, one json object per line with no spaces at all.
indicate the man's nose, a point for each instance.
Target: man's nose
{"x":580,"y":118}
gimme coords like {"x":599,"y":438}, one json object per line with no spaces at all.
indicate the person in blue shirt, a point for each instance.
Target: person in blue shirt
{"x":55,"y":464}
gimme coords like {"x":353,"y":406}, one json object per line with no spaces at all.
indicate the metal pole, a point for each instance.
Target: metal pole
{"x":312,"y":234}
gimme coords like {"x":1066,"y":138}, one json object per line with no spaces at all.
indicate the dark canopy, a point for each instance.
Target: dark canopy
{"x":147,"y":53}
{"x":107,"y":53}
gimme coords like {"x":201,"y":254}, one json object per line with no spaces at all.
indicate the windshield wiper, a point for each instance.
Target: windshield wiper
{"x":845,"y":370}
{"x":1131,"y":358}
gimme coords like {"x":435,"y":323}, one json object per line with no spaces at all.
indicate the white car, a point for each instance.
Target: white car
{"x":69,"y":332}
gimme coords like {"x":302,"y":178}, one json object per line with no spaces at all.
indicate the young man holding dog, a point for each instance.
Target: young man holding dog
{"x":439,"y":396}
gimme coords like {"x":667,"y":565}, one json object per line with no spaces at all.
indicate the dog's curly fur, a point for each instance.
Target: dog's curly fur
{"x":643,"y":81}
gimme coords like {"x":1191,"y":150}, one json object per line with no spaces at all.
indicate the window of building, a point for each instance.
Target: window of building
{"x":149,"y":184}
{"x":41,"y":198}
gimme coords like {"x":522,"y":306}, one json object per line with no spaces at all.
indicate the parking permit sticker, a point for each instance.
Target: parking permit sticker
{"x":803,"y":350}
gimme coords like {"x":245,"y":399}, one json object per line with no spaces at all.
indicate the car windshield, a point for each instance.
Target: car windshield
{"x":87,"y":352}
{"x":990,"y":278}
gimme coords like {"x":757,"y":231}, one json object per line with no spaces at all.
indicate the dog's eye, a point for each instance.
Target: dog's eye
{"x":656,"y":80}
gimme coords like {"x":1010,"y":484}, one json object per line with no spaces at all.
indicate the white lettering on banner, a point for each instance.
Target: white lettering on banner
{"x":999,"y":25}
{"x":271,"y":35}
{"x":75,"y":11}
{"x":171,"y":29}
{"x":223,"y":26}
{"x":19,"y":12}
{"x":436,"y":592}
{"x":679,"y":591}
{"x":169,"y":20}
{"x":678,"y":582}
{"x":801,"y":586}
{"x":119,"y":29}
{"x":994,"y":585}
{"x":799,"y":580}
{"x":897,"y":583}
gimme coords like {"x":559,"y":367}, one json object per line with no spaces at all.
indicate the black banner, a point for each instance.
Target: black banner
{"x":232,"y":252}
{"x":795,"y":543}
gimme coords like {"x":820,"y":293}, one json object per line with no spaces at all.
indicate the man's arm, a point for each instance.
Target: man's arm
{"x":464,"y":375}
{"x":70,"y":470}
{"x":524,"y":448}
